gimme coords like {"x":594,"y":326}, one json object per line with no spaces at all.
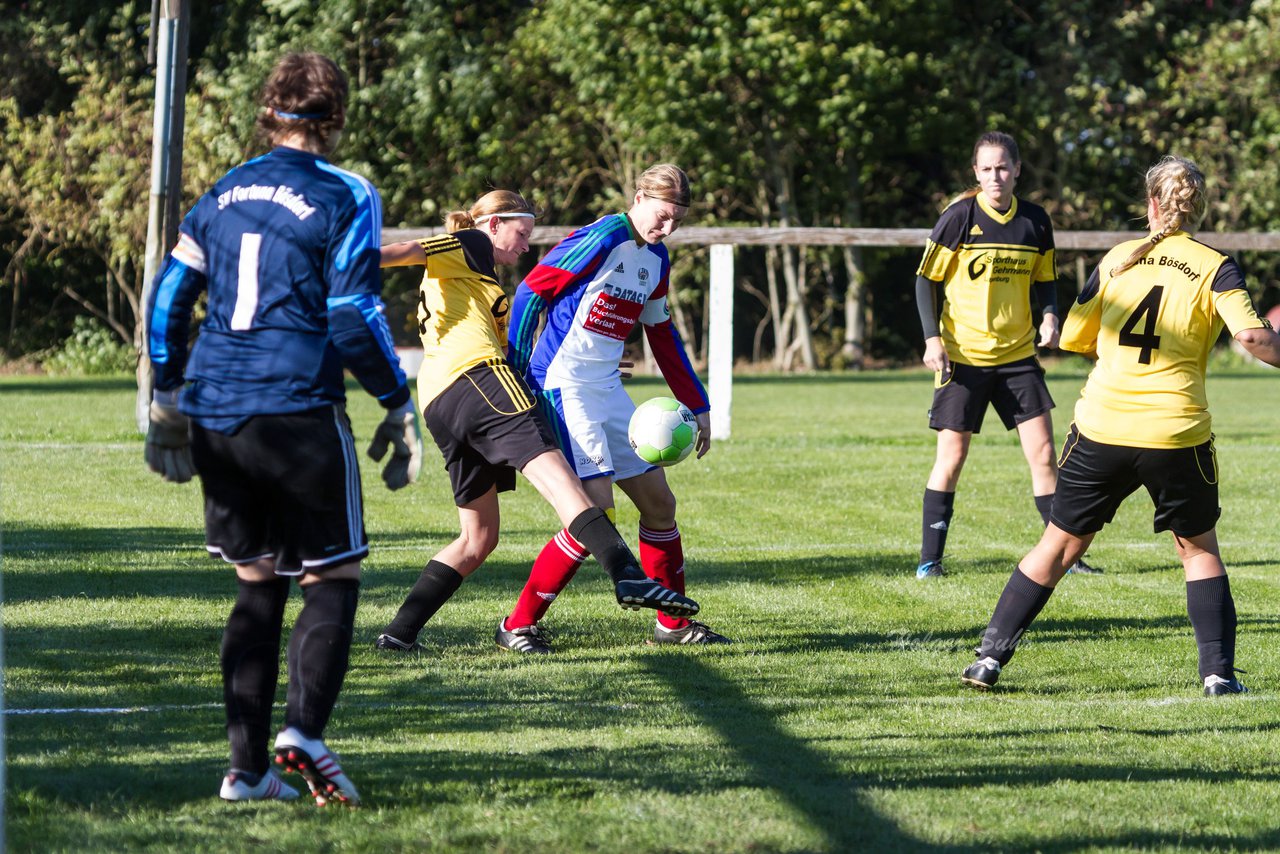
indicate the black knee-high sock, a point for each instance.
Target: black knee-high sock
{"x":250,"y":667}
{"x":1213,"y":618}
{"x":938,"y":507}
{"x":1018,"y":605}
{"x":1044,"y":503}
{"x":319,"y":649}
{"x":433,"y":588}
{"x":599,"y":536}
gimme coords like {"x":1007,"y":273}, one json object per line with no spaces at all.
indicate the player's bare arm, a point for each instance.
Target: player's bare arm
{"x":406,"y":254}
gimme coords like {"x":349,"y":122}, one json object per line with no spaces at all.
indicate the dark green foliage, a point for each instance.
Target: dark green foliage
{"x":847,"y":113}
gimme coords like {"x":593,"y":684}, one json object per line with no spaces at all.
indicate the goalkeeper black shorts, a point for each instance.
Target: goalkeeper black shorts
{"x":1016,"y":390}
{"x":285,"y":487}
{"x":487,"y":427}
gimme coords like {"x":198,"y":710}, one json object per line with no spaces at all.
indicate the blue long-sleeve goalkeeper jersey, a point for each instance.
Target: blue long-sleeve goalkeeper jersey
{"x":287,"y":246}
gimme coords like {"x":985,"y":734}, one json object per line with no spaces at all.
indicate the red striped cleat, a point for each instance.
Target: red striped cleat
{"x":236,"y":786}
{"x":317,"y":765}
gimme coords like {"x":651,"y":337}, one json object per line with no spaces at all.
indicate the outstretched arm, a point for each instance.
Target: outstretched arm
{"x":1262,"y":344}
{"x":407,"y":254}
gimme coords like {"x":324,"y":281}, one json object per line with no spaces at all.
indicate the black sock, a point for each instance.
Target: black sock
{"x":318,"y":652}
{"x":1018,"y":605}
{"x":250,"y":667}
{"x":1044,"y":503}
{"x":938,"y":507}
{"x":433,"y":588}
{"x":1213,"y":618}
{"x":598,"y":535}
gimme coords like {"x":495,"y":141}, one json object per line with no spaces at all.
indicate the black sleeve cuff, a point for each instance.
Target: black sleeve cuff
{"x":1047,"y":296}
{"x":927,"y":306}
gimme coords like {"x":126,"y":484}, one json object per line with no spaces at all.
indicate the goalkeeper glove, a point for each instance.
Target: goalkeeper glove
{"x":399,"y":430}
{"x":168,"y":450}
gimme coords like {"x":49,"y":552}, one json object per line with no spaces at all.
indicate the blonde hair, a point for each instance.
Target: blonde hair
{"x":1176,"y":185}
{"x":492,"y":203}
{"x":665,"y":182}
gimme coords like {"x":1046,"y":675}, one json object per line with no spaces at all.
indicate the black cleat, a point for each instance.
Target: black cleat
{"x":647,"y":593}
{"x":694,"y":633}
{"x":387,"y":643}
{"x":1219,"y":686}
{"x":981,"y":674}
{"x":1082,"y":568}
{"x":529,"y":639}
{"x":930,"y":569}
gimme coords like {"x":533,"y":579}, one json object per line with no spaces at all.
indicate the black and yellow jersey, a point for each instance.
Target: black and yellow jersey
{"x":1152,"y":328}
{"x":462,"y":310}
{"x":987,"y":262}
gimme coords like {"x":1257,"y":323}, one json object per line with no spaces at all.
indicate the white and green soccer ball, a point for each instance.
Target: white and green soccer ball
{"x":663,"y":431}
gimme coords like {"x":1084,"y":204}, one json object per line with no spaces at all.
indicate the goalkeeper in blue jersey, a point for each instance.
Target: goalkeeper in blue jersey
{"x":287,"y":247}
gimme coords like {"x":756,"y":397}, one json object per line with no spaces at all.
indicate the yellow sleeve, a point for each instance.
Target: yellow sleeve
{"x":1236,"y":310}
{"x":936,"y":263}
{"x":445,"y":258}
{"x":1046,"y":268}
{"x":1080,"y":331}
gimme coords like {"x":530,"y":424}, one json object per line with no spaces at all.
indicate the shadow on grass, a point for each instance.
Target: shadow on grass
{"x":69,"y":385}
{"x":808,"y":780}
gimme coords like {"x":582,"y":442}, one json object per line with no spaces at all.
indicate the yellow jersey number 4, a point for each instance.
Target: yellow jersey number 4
{"x":1147,"y":341}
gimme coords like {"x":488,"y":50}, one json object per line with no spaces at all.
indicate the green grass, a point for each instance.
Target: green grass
{"x":834,"y":723}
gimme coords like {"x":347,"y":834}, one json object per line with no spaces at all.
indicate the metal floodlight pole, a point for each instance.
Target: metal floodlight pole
{"x":170,"y":30}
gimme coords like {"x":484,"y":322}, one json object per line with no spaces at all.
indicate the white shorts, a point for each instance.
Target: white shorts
{"x":591,"y":423}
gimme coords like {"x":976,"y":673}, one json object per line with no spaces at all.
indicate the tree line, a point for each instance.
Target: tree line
{"x":784,"y":113}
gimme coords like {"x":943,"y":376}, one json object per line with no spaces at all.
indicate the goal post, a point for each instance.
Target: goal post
{"x":720,"y":340}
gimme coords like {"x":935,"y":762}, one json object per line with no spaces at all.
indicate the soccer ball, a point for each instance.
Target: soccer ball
{"x":663,"y":431}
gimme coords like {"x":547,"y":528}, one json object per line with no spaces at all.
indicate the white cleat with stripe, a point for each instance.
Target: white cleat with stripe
{"x":317,"y":765}
{"x":268,"y":788}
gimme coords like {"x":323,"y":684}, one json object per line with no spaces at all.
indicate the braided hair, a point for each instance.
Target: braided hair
{"x":1176,"y":185}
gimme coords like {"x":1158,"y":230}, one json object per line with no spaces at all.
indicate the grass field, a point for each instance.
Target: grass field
{"x":834,"y":723}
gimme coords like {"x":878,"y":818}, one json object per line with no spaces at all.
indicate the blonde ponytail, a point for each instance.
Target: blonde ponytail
{"x":1176,"y":185}
{"x":494,"y":203}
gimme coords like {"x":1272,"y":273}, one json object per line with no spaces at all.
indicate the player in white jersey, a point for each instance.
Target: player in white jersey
{"x":594,"y":287}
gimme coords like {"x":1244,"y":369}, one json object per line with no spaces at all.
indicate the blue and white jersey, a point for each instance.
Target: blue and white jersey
{"x":288,"y":247}
{"x":594,"y":286}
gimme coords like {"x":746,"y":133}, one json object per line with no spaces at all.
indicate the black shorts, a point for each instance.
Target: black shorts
{"x":487,"y":427}
{"x":1093,"y":479}
{"x":285,"y":487}
{"x":1016,"y":390}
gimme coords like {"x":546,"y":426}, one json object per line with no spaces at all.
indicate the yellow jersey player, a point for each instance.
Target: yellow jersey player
{"x":483,"y":418}
{"x":1150,"y":314}
{"x":989,"y":251}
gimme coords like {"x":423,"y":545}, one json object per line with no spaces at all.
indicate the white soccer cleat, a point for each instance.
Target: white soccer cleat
{"x":317,"y":765}
{"x":268,"y":788}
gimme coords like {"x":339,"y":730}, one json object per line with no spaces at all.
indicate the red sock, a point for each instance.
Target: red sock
{"x":662,"y":558}
{"x":551,"y":573}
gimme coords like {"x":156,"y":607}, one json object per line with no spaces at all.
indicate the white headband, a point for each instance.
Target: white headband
{"x":488,"y":217}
